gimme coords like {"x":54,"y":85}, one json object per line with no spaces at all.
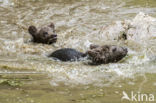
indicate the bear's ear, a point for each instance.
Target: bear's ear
{"x":52,"y":25}
{"x":32,"y":30}
{"x":92,"y":46}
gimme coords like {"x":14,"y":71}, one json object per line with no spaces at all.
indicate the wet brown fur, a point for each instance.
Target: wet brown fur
{"x":45,"y":35}
{"x":106,"y":53}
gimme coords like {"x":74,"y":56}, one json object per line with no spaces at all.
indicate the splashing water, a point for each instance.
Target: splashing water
{"x":6,"y":2}
{"x":78,"y":31}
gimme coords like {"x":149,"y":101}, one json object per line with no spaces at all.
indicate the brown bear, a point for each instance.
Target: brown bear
{"x":97,"y":54}
{"x":106,"y":53}
{"x":45,"y":35}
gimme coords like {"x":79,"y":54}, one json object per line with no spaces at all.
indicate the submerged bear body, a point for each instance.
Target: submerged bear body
{"x":67,"y":54}
{"x":45,"y":35}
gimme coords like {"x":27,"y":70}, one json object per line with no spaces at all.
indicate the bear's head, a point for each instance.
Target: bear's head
{"x":106,"y":53}
{"x":45,"y":35}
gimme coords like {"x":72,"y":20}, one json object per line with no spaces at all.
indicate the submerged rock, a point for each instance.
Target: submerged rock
{"x":45,"y":35}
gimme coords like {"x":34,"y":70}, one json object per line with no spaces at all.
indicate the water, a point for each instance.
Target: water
{"x":78,"y":24}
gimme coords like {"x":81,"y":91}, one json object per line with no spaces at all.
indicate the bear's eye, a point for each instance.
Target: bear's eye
{"x":45,"y":33}
{"x":114,"y":49}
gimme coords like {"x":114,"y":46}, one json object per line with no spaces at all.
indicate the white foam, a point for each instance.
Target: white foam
{"x":141,"y":28}
{"x":6,"y":2}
